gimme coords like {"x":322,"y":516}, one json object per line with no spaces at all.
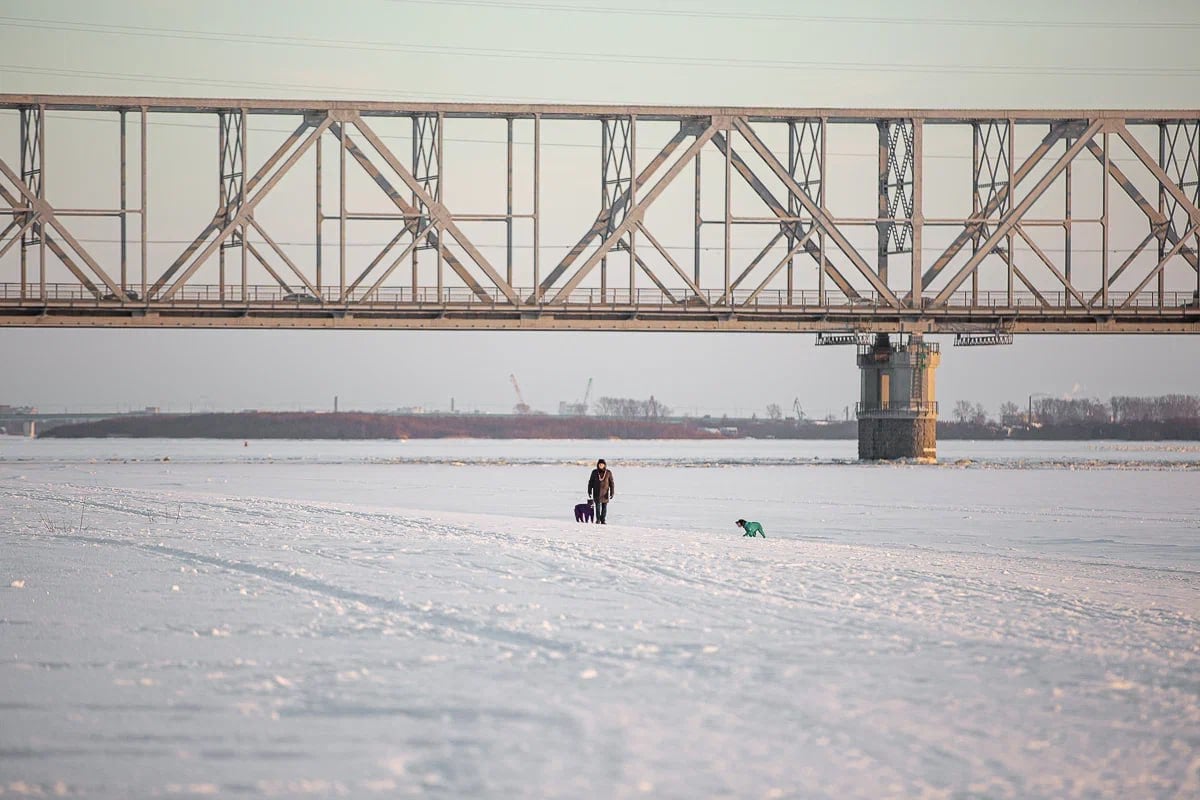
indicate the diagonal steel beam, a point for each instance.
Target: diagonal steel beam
{"x":1050,"y":264}
{"x":674,"y":264}
{"x":26,"y":225}
{"x":1112,"y":279}
{"x":214,"y":224}
{"x":1151,"y":164}
{"x":971,"y":230}
{"x":51,"y":243}
{"x":412,"y":216}
{"x":387,"y":248}
{"x":438,"y":211}
{"x":421,"y":234}
{"x":602,"y":219}
{"x":820,"y":218}
{"x":1016,"y":212}
{"x":1158,"y":221}
{"x":770,"y":276}
{"x":279,"y":252}
{"x":1161,"y":265}
{"x":261,"y":259}
{"x":244,"y":212}
{"x":1029,"y":285}
{"x":754,"y":262}
{"x":634,"y":215}
{"x":61,"y":254}
{"x":654,"y":278}
{"x":225,"y":228}
{"x":743,"y":169}
{"x":43,"y":213}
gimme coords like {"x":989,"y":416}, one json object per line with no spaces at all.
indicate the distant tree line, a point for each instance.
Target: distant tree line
{"x":1063,"y":411}
{"x":1173,"y":416}
{"x":1166,"y":408}
{"x":629,"y":408}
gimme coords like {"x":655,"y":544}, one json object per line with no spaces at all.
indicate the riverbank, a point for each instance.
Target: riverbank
{"x":355,"y":425}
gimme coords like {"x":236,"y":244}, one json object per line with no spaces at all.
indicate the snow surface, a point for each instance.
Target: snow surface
{"x":285,"y":620}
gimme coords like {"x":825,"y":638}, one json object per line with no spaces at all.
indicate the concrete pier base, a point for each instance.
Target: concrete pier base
{"x":897,"y":412}
{"x":897,"y":437}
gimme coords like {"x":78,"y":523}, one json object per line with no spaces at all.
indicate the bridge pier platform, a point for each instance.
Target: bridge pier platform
{"x":897,"y":408}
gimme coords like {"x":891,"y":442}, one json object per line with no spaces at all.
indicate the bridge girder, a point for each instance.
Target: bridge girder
{"x":1042,"y":244}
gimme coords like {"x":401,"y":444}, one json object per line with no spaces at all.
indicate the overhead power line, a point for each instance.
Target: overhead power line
{"x":749,"y":15}
{"x":705,"y":61}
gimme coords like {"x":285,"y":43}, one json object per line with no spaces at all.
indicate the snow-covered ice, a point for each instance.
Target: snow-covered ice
{"x":390,"y":619}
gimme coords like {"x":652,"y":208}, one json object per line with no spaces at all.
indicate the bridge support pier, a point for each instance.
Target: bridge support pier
{"x":897,"y":410}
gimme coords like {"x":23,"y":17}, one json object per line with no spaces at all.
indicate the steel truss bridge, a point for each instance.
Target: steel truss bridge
{"x":757,"y":219}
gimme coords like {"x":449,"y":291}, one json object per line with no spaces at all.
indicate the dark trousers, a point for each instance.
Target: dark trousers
{"x":601,"y":513}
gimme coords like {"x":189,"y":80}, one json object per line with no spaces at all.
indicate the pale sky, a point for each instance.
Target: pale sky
{"x":857,"y":54}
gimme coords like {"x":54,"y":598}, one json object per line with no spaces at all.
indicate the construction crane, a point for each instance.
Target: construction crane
{"x":521,"y":407}
{"x":799,"y":411}
{"x":579,"y":409}
{"x":583,"y":407}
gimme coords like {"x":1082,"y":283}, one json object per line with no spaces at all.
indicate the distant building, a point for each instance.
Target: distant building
{"x":5,"y":409}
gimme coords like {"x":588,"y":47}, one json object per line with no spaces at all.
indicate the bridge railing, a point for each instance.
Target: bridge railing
{"x":898,"y":408}
{"x":401,"y":297}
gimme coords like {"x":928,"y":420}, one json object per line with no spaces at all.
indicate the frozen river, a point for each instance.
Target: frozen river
{"x":285,"y":618}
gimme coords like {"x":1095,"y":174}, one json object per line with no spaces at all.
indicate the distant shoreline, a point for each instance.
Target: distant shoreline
{"x":360,"y":426}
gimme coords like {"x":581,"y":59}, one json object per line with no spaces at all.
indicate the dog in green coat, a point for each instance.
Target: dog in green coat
{"x":751,"y":528}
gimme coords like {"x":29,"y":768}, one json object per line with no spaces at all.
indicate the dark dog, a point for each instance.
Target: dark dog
{"x":584,"y":512}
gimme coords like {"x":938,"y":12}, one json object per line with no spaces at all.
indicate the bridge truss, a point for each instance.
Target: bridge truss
{"x":164,"y":212}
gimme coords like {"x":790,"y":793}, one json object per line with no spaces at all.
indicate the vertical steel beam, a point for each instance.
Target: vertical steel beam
{"x":319,"y":217}
{"x":1179,"y":161}
{"x":605,"y":156}
{"x":342,"y":220}
{"x":231,"y":167}
{"x":145,"y":207}
{"x":894,"y":223}
{"x":1067,"y":228}
{"x":806,"y":165}
{"x":41,"y":166}
{"x":508,"y":204}
{"x":1104,"y":225}
{"x":243,"y":157}
{"x":123,"y":198}
{"x":427,"y":172}
{"x":790,"y":230}
{"x":1162,"y":200}
{"x":617,"y":186}
{"x":421,"y":220}
{"x":697,"y":223}
{"x":438,"y":196}
{"x":32,"y":136}
{"x":918,"y":207}
{"x":1007,"y":201}
{"x":975,"y":135}
{"x":728,"y":212}
{"x":821,"y":203}
{"x":633,"y":258}
{"x":537,"y":206}
{"x":882,"y":227}
{"x":222,"y":150}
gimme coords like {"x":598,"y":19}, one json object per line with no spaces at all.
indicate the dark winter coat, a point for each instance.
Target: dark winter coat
{"x":601,"y":488}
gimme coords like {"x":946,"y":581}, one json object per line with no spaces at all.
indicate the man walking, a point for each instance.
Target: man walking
{"x":601,"y":489}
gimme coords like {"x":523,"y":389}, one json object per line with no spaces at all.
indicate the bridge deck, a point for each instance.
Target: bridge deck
{"x":591,"y":309}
